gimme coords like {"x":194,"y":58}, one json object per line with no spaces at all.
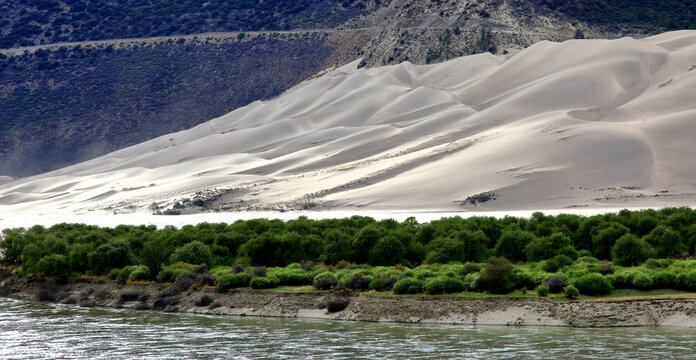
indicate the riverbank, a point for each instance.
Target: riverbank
{"x":178,"y":298}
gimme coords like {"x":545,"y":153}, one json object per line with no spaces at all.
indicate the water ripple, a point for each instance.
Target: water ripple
{"x":30,"y":330}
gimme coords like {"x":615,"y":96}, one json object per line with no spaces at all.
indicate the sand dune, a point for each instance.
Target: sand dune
{"x":584,"y":123}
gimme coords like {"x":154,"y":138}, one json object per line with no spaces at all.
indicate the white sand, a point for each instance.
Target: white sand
{"x":579,"y":124}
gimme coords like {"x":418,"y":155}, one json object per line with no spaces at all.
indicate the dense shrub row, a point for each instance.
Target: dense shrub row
{"x":586,"y":275}
{"x":627,"y":239}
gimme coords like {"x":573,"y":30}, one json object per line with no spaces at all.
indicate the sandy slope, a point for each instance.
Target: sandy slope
{"x":584,"y":123}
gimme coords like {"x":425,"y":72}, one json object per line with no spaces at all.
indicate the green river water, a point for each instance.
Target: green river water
{"x":32,"y":330}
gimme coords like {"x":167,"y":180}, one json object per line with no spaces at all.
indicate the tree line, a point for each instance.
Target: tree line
{"x":627,"y":238}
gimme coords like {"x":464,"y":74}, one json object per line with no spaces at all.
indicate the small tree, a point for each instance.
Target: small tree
{"x":194,"y":252}
{"x":630,"y":250}
{"x":497,"y":277}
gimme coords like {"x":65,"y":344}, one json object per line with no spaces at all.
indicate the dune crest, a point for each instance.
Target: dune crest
{"x":584,"y":123}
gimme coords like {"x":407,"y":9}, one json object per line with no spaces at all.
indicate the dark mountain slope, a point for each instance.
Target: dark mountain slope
{"x":71,"y":104}
{"x":31,"y":22}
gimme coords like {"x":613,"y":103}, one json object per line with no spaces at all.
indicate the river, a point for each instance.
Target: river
{"x":33,"y":330}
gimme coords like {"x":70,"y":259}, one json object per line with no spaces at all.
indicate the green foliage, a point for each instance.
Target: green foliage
{"x":687,"y":280}
{"x":387,"y":251}
{"x":605,"y":239}
{"x":642,"y":281}
{"x":444,"y":285}
{"x":592,"y":284}
{"x":557,"y":262}
{"x":290,"y":277}
{"x":225,"y":282}
{"x":630,"y":250}
{"x":139,"y":273}
{"x":571,"y":292}
{"x":194,"y":252}
{"x":264,"y":282}
{"x":169,"y":273}
{"x":52,"y":265}
{"x":667,"y":242}
{"x":408,"y":286}
{"x":546,"y":247}
{"x":542,"y":290}
{"x":114,"y":254}
{"x":325,"y":281}
{"x":497,"y":276}
{"x":512,"y":243}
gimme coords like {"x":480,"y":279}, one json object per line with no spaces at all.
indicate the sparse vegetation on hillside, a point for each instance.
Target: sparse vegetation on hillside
{"x":24,"y":23}
{"x":652,"y":15}
{"x":110,"y":97}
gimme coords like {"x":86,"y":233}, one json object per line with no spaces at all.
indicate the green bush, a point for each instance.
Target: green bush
{"x":325,"y":281}
{"x":546,"y":247}
{"x":630,"y":250}
{"x":592,"y":284}
{"x":224,"y":282}
{"x":497,"y":277}
{"x":194,"y":252}
{"x":293,"y":277}
{"x":471,"y":281}
{"x":687,"y":280}
{"x":114,"y":254}
{"x":571,"y":292}
{"x":557,"y":262}
{"x":642,"y":281}
{"x":379,"y":283}
{"x":53,"y":265}
{"x":408,"y":286}
{"x":139,"y":273}
{"x":423,"y":274}
{"x":664,"y":279}
{"x":444,"y":285}
{"x":542,"y":290}
{"x":264,"y":282}
{"x":169,"y":273}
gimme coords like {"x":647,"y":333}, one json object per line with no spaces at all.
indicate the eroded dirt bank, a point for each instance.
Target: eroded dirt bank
{"x":193,"y":298}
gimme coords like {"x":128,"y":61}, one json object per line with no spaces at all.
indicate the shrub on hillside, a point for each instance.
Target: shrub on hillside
{"x":664,"y":279}
{"x":555,"y":284}
{"x":358,"y":282}
{"x":444,"y":285}
{"x":139,"y":273}
{"x":471,"y":282}
{"x":571,"y":292}
{"x":546,"y":247}
{"x":542,"y":290}
{"x":293,"y":277}
{"x":497,"y":277}
{"x":630,"y":250}
{"x":642,"y":281}
{"x":408,"y":286}
{"x":228,"y":281}
{"x":264,"y":282}
{"x":194,"y":252}
{"x":687,"y":280}
{"x":557,"y":262}
{"x":325,"y":281}
{"x":169,"y":273}
{"x":592,"y":284}
{"x":52,"y":265}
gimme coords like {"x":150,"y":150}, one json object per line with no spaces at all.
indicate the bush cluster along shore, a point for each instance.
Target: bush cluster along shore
{"x":567,"y":254}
